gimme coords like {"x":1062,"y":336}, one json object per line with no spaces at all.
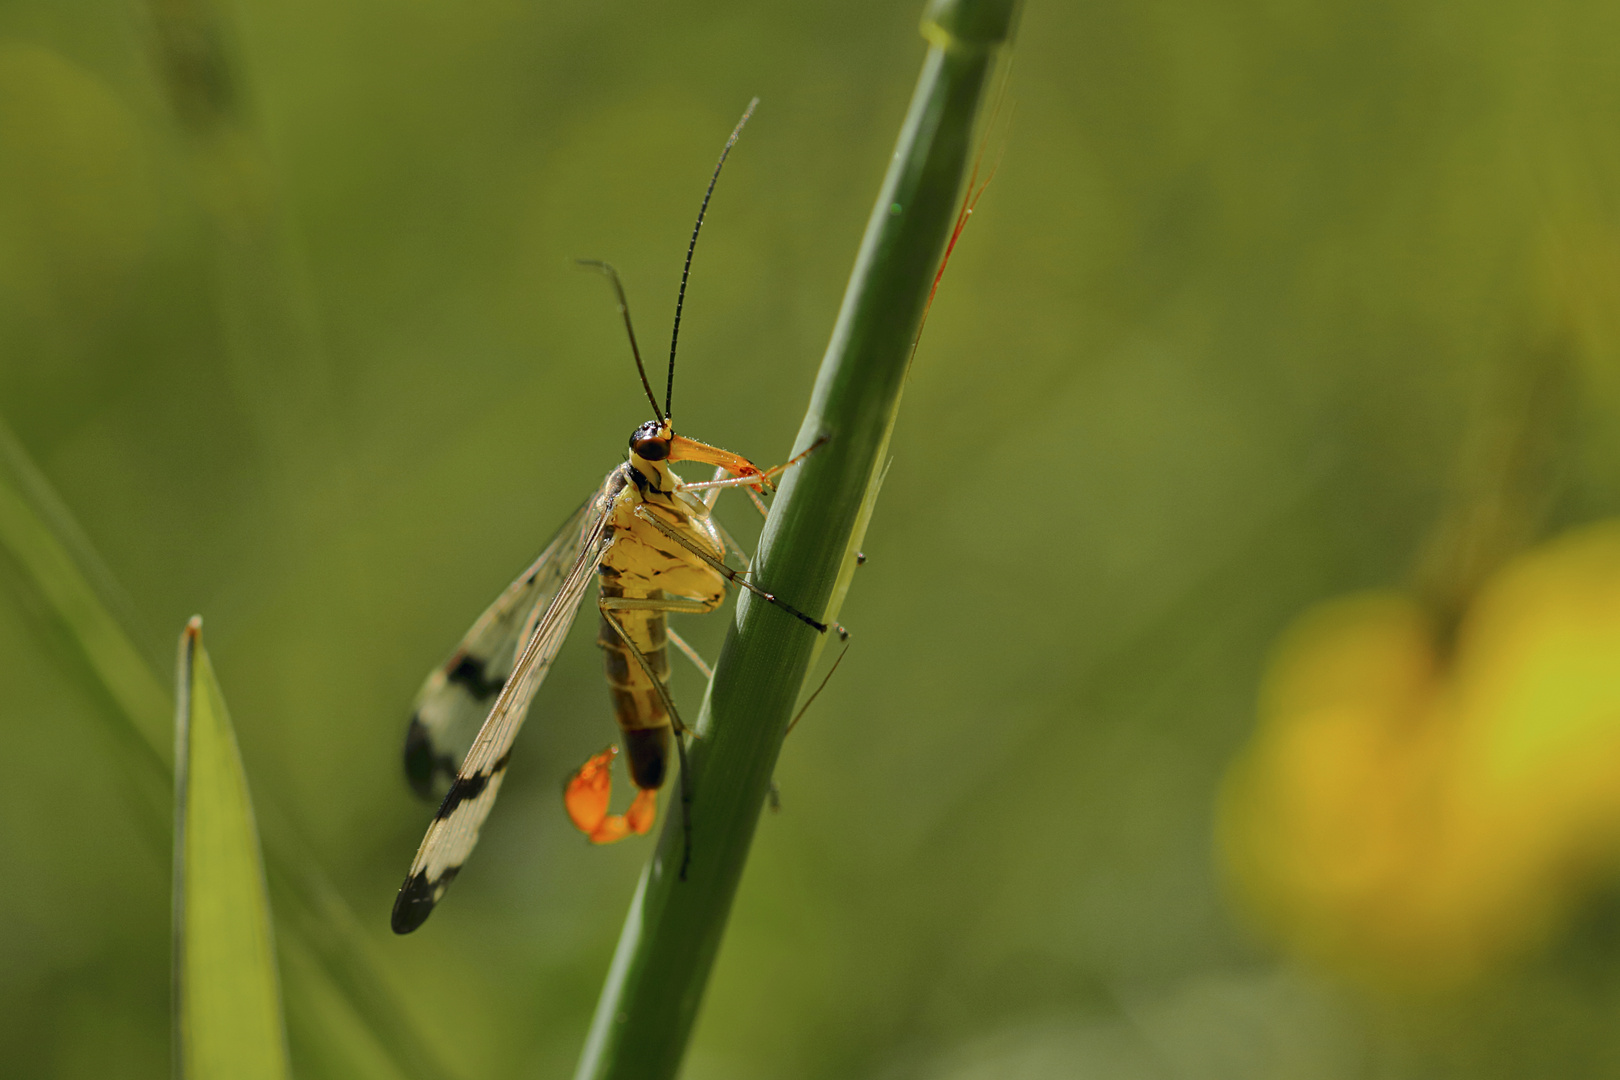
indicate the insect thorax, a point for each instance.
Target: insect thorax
{"x":641,"y":560}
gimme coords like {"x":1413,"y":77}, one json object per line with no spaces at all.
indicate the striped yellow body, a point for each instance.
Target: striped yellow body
{"x":642,"y":563}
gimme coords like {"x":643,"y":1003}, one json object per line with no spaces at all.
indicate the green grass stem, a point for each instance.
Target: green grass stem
{"x":673,"y":932}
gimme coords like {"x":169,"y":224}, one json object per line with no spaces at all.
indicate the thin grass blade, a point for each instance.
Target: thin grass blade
{"x":227,"y":997}
{"x":40,"y":536}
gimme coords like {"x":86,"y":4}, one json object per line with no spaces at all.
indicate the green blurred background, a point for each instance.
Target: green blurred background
{"x":288,"y":320}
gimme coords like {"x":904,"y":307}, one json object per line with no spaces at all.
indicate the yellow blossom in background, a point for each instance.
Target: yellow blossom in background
{"x":1416,"y":812}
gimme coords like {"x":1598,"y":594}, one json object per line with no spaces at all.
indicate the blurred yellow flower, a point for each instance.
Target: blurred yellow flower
{"x":1416,"y":811}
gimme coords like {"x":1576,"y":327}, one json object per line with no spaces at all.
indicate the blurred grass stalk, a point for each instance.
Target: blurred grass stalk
{"x":227,"y":998}
{"x":47,"y":545}
{"x":267,"y":313}
{"x":806,"y":555}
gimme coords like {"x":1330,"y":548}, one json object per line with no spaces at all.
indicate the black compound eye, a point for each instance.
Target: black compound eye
{"x":647,"y":443}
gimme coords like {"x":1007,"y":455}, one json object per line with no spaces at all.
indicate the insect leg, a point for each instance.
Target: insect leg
{"x":669,"y":604}
{"x":811,"y":700}
{"x":747,"y":480}
{"x":712,"y":496}
{"x":719,"y":483}
{"x":796,"y":458}
{"x":731,"y":543}
{"x":589,"y":789}
{"x":691,"y":653}
{"x":727,"y":572}
{"x":774,"y":795}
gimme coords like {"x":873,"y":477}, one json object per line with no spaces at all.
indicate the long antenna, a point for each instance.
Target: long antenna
{"x":680,"y":298}
{"x":624,"y":309}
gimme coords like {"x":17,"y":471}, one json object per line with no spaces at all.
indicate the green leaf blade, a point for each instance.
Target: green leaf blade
{"x":39,"y":534}
{"x":228,"y":1022}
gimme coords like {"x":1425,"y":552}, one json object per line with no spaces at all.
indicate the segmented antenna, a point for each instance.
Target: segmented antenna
{"x":624,"y":309}
{"x":680,"y":298}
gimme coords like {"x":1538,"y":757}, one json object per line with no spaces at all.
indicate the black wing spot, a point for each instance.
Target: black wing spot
{"x":421,"y":763}
{"x":469,"y":672}
{"x":467,"y":788}
{"x":416,"y":899}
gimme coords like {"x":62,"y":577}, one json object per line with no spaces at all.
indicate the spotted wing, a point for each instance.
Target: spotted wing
{"x":456,"y":698}
{"x":454,"y":832}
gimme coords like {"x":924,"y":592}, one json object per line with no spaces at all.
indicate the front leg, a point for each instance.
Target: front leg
{"x":727,"y":572}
